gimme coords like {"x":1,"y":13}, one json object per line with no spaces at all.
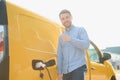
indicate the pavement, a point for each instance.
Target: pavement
{"x":117,"y":74}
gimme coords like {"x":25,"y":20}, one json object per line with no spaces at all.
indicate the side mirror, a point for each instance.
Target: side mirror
{"x":106,"y":56}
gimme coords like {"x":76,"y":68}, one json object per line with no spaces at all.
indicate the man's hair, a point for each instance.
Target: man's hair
{"x":64,"y":11}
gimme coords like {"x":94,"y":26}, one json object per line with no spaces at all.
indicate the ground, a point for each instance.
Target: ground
{"x":118,"y":74}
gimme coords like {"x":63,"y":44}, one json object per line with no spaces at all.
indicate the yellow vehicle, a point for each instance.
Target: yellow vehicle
{"x":29,"y":38}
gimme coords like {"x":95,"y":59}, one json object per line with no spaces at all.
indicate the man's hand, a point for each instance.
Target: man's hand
{"x":60,"y":76}
{"x":66,"y":38}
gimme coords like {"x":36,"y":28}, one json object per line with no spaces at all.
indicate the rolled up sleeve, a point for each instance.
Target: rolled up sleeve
{"x":83,"y":41}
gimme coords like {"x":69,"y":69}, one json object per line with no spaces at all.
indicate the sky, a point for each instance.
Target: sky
{"x":100,"y":18}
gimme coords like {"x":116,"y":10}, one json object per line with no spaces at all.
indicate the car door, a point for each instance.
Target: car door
{"x":31,"y":37}
{"x":97,"y":69}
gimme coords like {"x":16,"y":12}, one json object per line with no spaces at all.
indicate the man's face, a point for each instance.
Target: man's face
{"x":66,"y":19}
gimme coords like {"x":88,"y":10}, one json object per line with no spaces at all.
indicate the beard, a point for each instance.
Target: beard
{"x":67,"y":24}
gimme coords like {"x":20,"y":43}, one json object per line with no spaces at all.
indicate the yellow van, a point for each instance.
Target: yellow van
{"x":27,"y":38}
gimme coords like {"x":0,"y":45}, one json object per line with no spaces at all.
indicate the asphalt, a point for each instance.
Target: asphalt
{"x":118,"y":74}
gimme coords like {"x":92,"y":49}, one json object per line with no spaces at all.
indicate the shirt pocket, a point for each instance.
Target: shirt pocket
{"x":75,"y":35}
{"x":64,"y":44}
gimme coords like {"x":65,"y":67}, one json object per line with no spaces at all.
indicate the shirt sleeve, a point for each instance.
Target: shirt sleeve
{"x":83,"y":41}
{"x":59,"y":56}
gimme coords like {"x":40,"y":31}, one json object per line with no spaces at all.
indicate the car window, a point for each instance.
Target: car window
{"x":93,"y":54}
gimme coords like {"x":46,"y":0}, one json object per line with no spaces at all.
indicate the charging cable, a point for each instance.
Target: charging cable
{"x":43,"y":65}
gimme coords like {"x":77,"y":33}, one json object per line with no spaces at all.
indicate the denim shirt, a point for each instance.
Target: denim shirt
{"x":71,"y":55}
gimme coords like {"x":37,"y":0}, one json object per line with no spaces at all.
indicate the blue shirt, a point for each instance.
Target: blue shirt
{"x":71,"y":55}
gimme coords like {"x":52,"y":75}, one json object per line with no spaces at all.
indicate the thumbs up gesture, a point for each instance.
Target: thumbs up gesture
{"x":66,"y":38}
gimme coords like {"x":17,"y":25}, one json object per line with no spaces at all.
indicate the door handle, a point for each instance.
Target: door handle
{"x":93,"y":68}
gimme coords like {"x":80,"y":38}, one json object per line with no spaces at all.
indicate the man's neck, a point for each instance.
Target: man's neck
{"x":68,"y":29}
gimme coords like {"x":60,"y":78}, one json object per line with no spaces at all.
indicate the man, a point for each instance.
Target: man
{"x":71,"y":49}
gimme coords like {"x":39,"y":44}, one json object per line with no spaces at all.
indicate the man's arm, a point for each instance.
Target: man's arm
{"x":59,"y":56}
{"x":83,"y":42}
